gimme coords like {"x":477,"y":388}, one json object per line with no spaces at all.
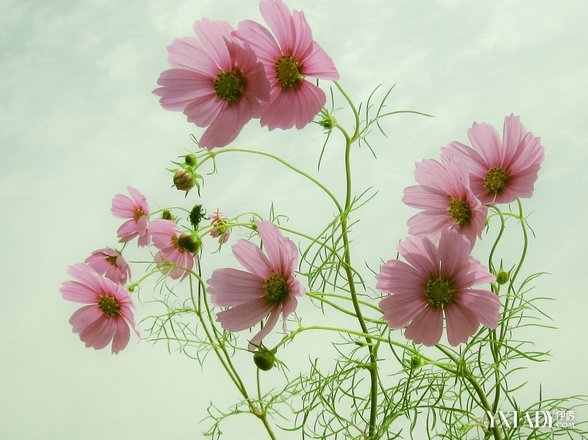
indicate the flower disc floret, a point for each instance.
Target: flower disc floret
{"x":439,"y":292}
{"x":230,"y":86}
{"x":276,"y":288}
{"x":460,"y":211}
{"x":109,"y":305}
{"x":495,"y":180}
{"x":288,"y":72}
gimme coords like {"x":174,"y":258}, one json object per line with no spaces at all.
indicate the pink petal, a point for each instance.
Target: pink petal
{"x":268,"y":327}
{"x":261,"y":40}
{"x":425,"y":197}
{"x":122,"y":206}
{"x":203,"y":110}
{"x":78,"y":292}
{"x":398,"y":277}
{"x":122,"y":335}
{"x":99,"y":333}
{"x":85,"y":316}
{"x":484,"y":304}
{"x":426,"y":327}
{"x":212,"y":35}
{"x":279,"y":19}
{"x":399,"y":310}
{"x":252,"y":259}
{"x":461,"y":323}
{"x":279,"y":254}
{"x":244,"y":316}
{"x":486,"y":142}
{"x":225,"y":127}
{"x":181,"y":87}
{"x":188,"y":53}
{"x":232,"y":287}
{"x":319,"y":65}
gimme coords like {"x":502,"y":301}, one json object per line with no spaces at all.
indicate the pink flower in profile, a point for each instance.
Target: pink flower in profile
{"x":500,"y":171}
{"x":221,"y":230}
{"x":111,"y":264}
{"x":437,"y":281}
{"x":215,"y":80}
{"x":267,"y":288}
{"x":109,"y":312}
{"x":177,"y":249}
{"x":287,"y":61}
{"x":136,"y":209}
{"x":444,"y":196}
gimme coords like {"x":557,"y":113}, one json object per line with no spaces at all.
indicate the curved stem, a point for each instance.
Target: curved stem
{"x":212,"y":155}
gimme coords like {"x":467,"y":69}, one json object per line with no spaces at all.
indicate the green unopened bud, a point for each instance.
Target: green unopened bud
{"x":188,"y":242}
{"x":196,"y":215}
{"x":166,"y":215}
{"x":502,"y":277}
{"x":183,"y":180}
{"x":328,"y":122}
{"x":264,"y":359}
{"x":415,"y":361}
{"x":190,"y":160}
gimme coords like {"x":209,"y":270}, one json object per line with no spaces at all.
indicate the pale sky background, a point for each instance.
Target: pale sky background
{"x":78,"y":124}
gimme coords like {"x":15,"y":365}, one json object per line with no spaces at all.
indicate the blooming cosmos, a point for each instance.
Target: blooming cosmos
{"x":444,"y":196}
{"x":287,"y":61}
{"x":221,"y":230}
{"x":267,"y":288}
{"x":111,"y":264}
{"x":437,"y":281}
{"x":176,"y":255}
{"x":109,"y":312}
{"x":215,"y":80}
{"x":500,"y":171}
{"x":136,"y":209}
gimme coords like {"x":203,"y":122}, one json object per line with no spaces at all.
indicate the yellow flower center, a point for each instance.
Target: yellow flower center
{"x":109,"y":305}
{"x":459,"y":210}
{"x":288,"y":72}
{"x":276,"y":288}
{"x":229,"y":86}
{"x":439,"y":292}
{"x":495,"y":180}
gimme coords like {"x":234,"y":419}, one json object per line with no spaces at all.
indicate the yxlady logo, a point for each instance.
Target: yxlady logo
{"x":532,"y":419}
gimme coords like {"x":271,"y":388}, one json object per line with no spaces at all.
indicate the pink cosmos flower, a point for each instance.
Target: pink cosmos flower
{"x":267,"y":288}
{"x":136,"y":209}
{"x":437,"y":281}
{"x":111,"y":264}
{"x":176,"y":255}
{"x":221,"y":230}
{"x":109,"y":312}
{"x":215,"y":80}
{"x":287,"y":61}
{"x":446,"y":201}
{"x":500,"y":171}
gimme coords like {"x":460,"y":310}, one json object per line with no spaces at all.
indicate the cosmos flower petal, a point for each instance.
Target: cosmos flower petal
{"x":245,"y":315}
{"x":319,"y":65}
{"x":232,"y":287}
{"x":279,"y":19}
{"x":252,"y":258}
{"x":121,"y":337}
{"x":461,"y":323}
{"x":268,"y":327}
{"x":484,"y":304}
{"x":401,"y":309}
{"x":426,"y":327}
{"x":84,"y":316}
{"x":211,"y":34}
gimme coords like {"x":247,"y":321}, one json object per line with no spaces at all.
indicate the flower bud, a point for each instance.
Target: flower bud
{"x":502,"y":277}
{"x":190,"y":160}
{"x":415,"y":361}
{"x":166,"y":215}
{"x":183,"y":180}
{"x":188,"y":242}
{"x":196,"y":215}
{"x":264,"y":359}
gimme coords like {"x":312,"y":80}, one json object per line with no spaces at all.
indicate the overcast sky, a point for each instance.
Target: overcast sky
{"x":79,"y":124}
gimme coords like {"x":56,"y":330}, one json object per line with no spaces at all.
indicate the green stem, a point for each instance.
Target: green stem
{"x":212,"y":155}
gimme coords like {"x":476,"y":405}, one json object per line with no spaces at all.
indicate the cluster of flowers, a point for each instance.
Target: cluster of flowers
{"x":454,"y":195}
{"x":226,"y":77}
{"x":100,"y":280}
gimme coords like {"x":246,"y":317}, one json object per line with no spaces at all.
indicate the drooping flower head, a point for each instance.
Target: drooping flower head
{"x":500,"y":171}
{"x":177,"y":249}
{"x":110,"y":263}
{"x":109,"y":312}
{"x":136,"y":209}
{"x":437,"y":281}
{"x":215,"y":80}
{"x":267,"y":288}
{"x":221,"y":230}
{"x":444,"y":196}
{"x":288,"y":61}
